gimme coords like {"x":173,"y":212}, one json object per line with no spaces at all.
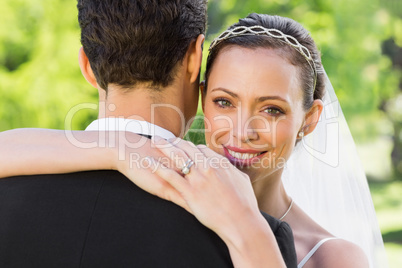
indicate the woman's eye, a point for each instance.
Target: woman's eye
{"x":223,"y":103}
{"x":273,"y":111}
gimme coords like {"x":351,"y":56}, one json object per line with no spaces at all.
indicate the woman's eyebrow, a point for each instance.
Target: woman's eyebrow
{"x":264,"y":98}
{"x":234,"y":95}
{"x":259,"y":99}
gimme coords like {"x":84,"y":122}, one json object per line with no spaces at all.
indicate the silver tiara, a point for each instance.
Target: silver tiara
{"x":259,"y":30}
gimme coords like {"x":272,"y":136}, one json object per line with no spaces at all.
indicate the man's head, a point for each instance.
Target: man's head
{"x":129,"y":42}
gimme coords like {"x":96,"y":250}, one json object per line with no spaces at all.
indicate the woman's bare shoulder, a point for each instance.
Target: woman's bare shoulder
{"x":332,"y":253}
{"x":340,"y":253}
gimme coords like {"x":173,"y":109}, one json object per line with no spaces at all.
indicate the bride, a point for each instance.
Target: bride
{"x":271,"y":111}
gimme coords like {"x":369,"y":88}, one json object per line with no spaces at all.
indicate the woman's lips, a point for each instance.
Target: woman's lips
{"x":242,"y":157}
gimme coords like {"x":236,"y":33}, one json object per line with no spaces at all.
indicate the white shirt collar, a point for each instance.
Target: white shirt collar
{"x":131,"y":125}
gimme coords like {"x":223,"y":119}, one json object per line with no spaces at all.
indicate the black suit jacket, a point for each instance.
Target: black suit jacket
{"x":101,"y":219}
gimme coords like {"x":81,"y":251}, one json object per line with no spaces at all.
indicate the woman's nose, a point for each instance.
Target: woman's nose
{"x":246,"y":130}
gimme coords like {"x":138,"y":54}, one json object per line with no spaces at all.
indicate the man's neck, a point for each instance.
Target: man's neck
{"x":162,"y":109}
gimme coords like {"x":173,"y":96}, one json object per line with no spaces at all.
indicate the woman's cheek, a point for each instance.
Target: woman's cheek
{"x":211,"y":127}
{"x":218,"y":130}
{"x":284,"y":140}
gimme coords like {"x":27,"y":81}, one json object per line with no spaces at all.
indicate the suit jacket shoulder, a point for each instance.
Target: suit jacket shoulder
{"x":101,"y":219}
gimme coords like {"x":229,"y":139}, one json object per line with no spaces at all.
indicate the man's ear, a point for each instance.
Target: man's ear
{"x":312,"y":116}
{"x":195,"y":58}
{"x":202,"y":88}
{"x":86,"y":69}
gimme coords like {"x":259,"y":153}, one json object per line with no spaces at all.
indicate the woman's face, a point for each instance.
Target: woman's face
{"x":253,"y":109}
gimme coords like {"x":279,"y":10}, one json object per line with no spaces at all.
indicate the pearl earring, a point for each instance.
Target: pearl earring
{"x":301,"y":134}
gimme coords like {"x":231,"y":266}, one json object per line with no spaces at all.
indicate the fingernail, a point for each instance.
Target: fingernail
{"x":156,"y":139}
{"x":171,"y":140}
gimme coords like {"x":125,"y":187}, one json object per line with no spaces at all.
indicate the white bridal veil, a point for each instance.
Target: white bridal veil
{"x":325,"y":178}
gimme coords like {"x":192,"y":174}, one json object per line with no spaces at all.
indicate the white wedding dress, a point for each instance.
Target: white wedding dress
{"x":325,"y":178}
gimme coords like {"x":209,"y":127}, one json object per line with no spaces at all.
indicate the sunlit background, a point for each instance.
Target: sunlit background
{"x":361,"y":45}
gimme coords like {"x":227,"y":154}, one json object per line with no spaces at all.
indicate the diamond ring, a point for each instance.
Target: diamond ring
{"x":186,"y":169}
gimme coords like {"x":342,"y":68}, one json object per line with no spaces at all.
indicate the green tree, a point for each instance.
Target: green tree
{"x":39,"y":75}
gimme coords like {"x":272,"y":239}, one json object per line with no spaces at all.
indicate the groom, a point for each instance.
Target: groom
{"x":138,"y":54}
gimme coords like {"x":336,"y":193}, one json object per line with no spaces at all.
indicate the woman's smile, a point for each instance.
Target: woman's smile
{"x":242,"y":157}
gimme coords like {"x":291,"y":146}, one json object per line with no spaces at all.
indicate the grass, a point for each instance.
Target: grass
{"x":394,"y":255}
{"x":385,"y":190}
{"x":387,"y":198}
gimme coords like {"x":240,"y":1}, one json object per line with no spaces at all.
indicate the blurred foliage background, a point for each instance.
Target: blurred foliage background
{"x":361,"y":45}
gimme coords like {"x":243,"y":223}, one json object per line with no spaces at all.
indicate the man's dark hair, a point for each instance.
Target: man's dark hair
{"x":134,"y":41}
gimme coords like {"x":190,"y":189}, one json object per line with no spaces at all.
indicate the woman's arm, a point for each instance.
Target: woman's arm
{"x":222,"y":198}
{"x":45,"y":151}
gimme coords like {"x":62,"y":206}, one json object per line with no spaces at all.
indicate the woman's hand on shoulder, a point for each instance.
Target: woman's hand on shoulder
{"x":216,"y":192}
{"x":340,"y":253}
{"x":222,"y":198}
{"x":131,"y":157}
